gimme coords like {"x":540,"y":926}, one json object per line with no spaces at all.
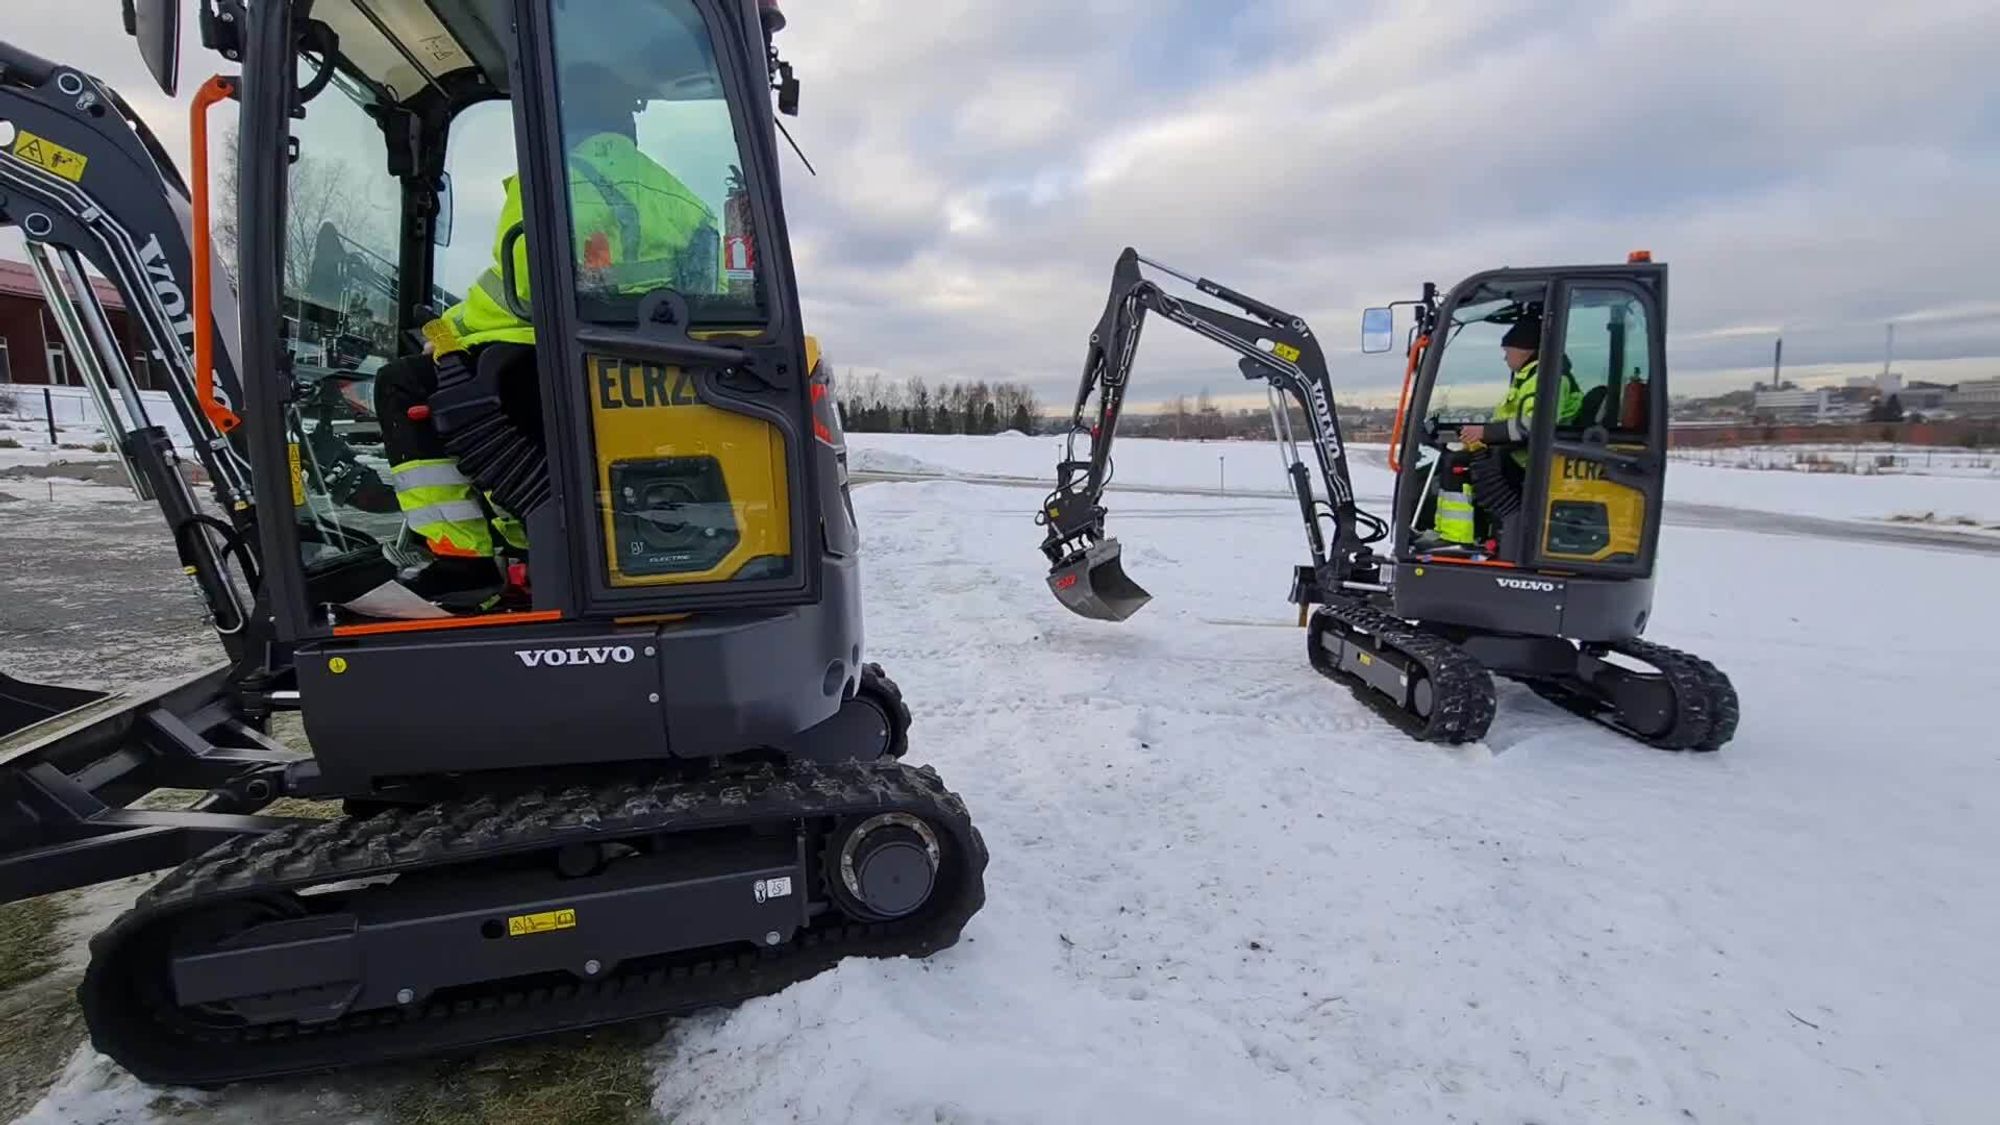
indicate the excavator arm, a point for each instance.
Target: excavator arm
{"x":1274,"y":347}
{"x":85,"y":181}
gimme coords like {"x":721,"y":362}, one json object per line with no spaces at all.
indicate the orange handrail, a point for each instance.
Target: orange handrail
{"x":1403,"y":404}
{"x":432,"y":624}
{"x":218,"y":88}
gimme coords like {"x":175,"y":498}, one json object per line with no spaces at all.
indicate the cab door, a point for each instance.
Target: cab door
{"x":1599,"y":439}
{"x":677,"y":379}
{"x":1459,"y":379}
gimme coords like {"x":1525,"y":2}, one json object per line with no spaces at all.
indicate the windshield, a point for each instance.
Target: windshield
{"x":1472,"y":374}
{"x":340,"y":275}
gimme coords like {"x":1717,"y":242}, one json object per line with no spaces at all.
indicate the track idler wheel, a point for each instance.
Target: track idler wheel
{"x":880,"y":695}
{"x":884,"y":867}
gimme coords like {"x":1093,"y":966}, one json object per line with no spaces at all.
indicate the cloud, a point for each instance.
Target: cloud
{"x":1823,"y":166}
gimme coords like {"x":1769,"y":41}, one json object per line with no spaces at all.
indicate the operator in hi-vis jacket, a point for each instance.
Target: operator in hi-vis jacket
{"x":1511,"y":424}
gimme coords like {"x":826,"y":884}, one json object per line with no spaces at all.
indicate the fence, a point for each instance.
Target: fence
{"x":73,"y":410}
{"x":1984,"y":433}
{"x":1866,"y":458}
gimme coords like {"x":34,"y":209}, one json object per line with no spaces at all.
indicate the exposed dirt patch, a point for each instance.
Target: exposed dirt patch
{"x":598,"y":1078}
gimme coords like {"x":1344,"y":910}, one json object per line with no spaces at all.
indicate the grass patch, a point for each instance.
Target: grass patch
{"x":299,"y":807}
{"x":598,"y":1078}
{"x":39,"y":1021}
{"x":29,"y":940}
{"x":9,"y":443}
{"x":39,"y":1030}
{"x":163,"y":799}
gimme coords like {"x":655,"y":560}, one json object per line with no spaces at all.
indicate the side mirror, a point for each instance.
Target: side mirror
{"x":1378,"y":331}
{"x":156,"y":24}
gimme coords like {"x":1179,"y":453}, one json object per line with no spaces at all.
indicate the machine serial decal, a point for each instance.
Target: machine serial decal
{"x":635,"y":386}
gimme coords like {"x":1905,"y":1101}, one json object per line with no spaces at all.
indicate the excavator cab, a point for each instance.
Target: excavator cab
{"x":649,"y":439}
{"x":1563,"y":474}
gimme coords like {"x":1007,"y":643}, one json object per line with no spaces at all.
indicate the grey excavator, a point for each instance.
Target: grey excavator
{"x":1553,"y":587}
{"x":656,"y":773}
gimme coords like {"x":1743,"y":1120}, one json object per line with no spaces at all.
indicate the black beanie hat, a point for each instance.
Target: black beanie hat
{"x":1526,"y":333}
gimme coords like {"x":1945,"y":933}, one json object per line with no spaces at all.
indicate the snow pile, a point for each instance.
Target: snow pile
{"x":864,"y":459}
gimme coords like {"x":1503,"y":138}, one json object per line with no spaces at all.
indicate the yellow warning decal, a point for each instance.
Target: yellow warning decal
{"x":1365,"y":658}
{"x":45,"y":153}
{"x":298,"y":475}
{"x":1285,"y":352}
{"x":545,"y":922}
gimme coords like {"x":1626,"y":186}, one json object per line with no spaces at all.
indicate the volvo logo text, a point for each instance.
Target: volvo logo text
{"x":1527,"y":584}
{"x":172,"y":300}
{"x":560,"y":657}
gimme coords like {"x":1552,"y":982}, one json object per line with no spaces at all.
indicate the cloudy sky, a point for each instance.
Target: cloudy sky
{"x":1823,"y":167}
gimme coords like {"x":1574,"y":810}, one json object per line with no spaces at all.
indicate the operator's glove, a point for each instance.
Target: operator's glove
{"x":1509,"y":432}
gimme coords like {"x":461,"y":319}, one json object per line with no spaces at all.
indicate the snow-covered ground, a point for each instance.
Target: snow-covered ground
{"x":1223,"y":890}
{"x":1251,"y":466}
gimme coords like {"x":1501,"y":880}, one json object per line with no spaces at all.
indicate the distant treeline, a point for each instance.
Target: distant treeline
{"x":874,"y":405}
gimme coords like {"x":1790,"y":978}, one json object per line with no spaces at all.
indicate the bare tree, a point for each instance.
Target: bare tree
{"x":920,"y":405}
{"x":951,"y":420}
{"x":223,"y":229}
{"x":977,"y":396}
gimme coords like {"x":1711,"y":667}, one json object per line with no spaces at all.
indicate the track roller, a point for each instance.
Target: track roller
{"x":1685,"y":703}
{"x":1423,"y":683}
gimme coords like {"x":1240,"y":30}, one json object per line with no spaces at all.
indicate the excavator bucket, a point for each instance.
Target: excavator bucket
{"x":1093,"y":584}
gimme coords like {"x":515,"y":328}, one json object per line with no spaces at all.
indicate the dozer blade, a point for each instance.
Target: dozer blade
{"x":23,"y":704}
{"x":1094,"y":584}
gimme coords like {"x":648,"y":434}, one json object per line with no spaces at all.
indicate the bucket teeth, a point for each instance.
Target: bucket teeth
{"x":1094,"y":584}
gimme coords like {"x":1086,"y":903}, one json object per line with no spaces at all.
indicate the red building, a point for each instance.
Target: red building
{"x":31,"y":345}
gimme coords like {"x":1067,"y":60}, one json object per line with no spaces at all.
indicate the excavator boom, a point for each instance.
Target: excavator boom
{"x":1273,"y":346}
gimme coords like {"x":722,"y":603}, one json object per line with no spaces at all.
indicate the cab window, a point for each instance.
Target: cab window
{"x":479,"y":158}
{"x":656,"y":189}
{"x":339,"y":309}
{"x":1607,"y":347}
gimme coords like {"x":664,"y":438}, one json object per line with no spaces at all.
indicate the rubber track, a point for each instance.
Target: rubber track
{"x":128,"y":958}
{"x":1462,"y":689}
{"x":876,"y":684}
{"x":1704,"y":700}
